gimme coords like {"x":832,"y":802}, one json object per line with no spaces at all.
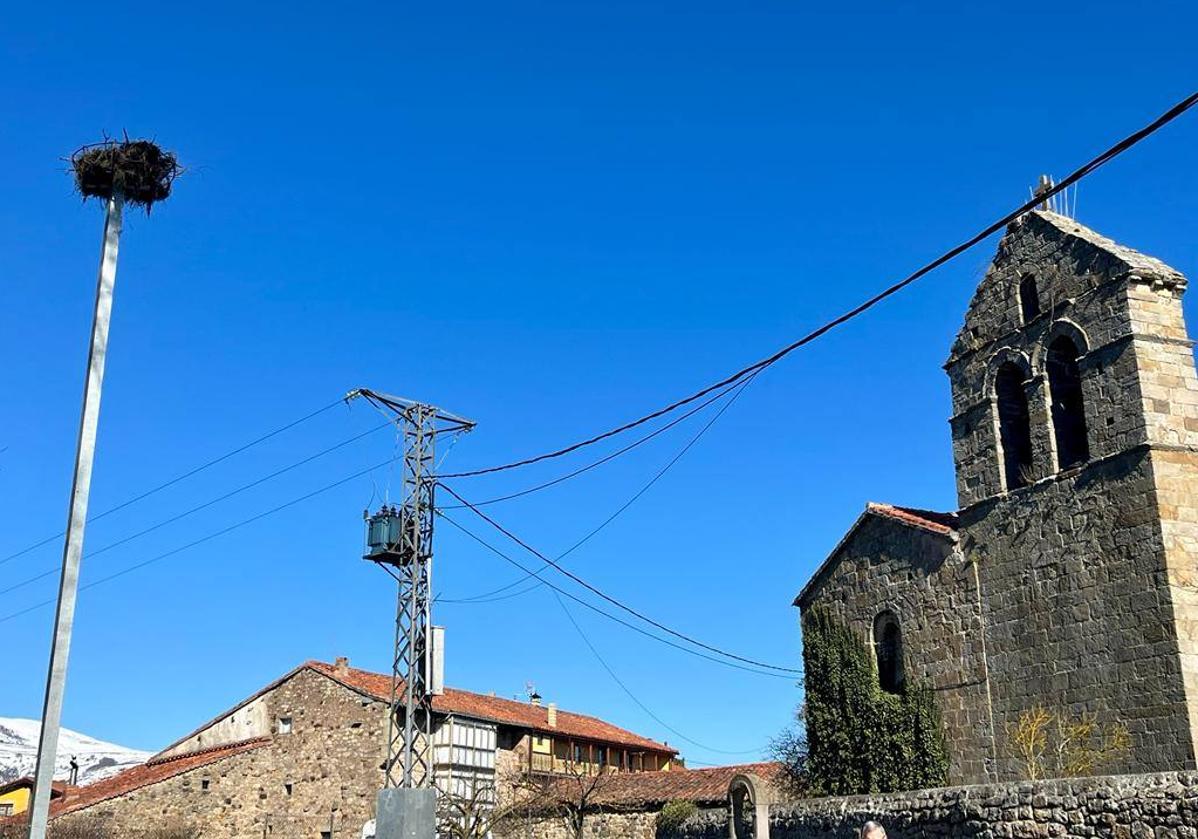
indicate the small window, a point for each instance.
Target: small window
{"x":284,"y":725}
{"x":6,"y":809}
{"x":326,"y":834}
{"x":1029,"y":298}
{"x":1014,"y":425}
{"x":204,"y":784}
{"x":287,"y":788}
{"x":888,"y":649}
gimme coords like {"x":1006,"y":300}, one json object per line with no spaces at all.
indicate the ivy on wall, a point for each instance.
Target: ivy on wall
{"x":861,"y":739}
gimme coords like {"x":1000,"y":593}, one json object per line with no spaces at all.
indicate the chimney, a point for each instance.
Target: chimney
{"x":535,"y":698}
{"x":341,"y":666}
{"x":552,"y":714}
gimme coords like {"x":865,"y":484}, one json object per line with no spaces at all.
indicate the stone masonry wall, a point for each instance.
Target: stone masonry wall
{"x":1160,"y":806}
{"x":1077,"y":610}
{"x":638,"y":824}
{"x":330,"y":760}
{"x":320,"y":778}
{"x":922,"y":578}
{"x":1152,"y":806}
{"x":1086,"y":574}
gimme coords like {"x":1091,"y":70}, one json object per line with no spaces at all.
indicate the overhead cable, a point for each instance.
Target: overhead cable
{"x":612,"y":600}
{"x":1106,"y":156}
{"x":195,"y":471}
{"x":592,"y":607}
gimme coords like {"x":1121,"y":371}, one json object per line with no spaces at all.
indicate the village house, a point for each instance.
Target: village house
{"x":303,"y":757}
{"x":17,"y":793}
{"x":1066,"y":578}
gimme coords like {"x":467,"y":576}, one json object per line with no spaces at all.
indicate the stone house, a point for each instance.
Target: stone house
{"x":303,"y":757}
{"x":1066,"y":578}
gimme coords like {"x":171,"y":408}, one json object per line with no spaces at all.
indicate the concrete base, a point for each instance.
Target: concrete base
{"x":406,"y":814}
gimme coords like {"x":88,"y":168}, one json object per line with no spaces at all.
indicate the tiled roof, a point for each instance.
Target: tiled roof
{"x":927,"y":519}
{"x":57,"y":788}
{"x":494,"y":709}
{"x":702,"y":786}
{"x":153,"y":771}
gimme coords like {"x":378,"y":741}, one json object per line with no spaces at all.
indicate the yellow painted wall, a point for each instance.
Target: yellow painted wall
{"x":18,"y":798}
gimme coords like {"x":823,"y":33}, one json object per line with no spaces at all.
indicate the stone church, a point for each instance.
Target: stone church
{"x":1066,"y":578}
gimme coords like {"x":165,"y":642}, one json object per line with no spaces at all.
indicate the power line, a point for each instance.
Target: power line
{"x":601,"y":460}
{"x":207,"y":538}
{"x":608,"y":615}
{"x":486,"y":596}
{"x":1106,"y":156}
{"x":618,"y":604}
{"x":633,"y":696}
{"x":183,"y":477}
{"x":204,"y":506}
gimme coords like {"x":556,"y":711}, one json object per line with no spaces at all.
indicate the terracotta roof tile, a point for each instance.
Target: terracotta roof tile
{"x":505,"y":711}
{"x":152,"y":771}
{"x":702,"y":786}
{"x":57,"y":788}
{"x":927,"y":519}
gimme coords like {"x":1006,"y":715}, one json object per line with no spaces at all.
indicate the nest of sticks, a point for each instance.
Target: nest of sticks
{"x":139,"y":171}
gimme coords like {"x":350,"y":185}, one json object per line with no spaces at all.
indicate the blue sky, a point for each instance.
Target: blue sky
{"x":549,"y":217}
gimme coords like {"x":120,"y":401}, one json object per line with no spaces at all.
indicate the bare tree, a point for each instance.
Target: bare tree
{"x":475,"y":810}
{"x":572,"y":795}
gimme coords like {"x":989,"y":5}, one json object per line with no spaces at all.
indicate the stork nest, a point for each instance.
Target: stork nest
{"x":137,"y":170}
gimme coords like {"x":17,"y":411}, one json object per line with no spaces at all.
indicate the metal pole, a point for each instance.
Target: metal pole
{"x":47,"y":747}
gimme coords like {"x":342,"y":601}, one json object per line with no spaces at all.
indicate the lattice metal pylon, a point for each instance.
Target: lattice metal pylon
{"x":410,"y":738}
{"x":402,"y":539}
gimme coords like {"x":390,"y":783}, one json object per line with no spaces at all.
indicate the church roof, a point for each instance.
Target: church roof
{"x":940,"y":524}
{"x":1132,"y":261}
{"x":927,"y":519}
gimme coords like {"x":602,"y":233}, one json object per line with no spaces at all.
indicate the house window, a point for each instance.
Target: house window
{"x":1068,"y":407}
{"x":326,"y":834}
{"x":6,"y":809}
{"x":287,"y":788}
{"x":1029,"y":298}
{"x":204,"y":784}
{"x":888,"y":649}
{"x":284,"y":725}
{"x":1014,"y":425}
{"x":601,"y":756}
{"x":579,"y":756}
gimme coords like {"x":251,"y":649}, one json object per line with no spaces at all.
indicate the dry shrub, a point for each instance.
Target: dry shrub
{"x":1063,"y":745}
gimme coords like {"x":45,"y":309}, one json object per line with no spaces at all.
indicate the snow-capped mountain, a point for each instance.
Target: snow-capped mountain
{"x":97,"y":759}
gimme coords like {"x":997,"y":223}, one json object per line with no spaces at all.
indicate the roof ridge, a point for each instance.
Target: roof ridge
{"x":356,"y":679}
{"x":158,"y":760}
{"x":933,"y":520}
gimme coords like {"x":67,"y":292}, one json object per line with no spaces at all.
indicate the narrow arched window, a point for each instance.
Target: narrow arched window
{"x":888,"y":648}
{"x":1029,"y":298}
{"x":1014,"y":425}
{"x":1068,"y":407}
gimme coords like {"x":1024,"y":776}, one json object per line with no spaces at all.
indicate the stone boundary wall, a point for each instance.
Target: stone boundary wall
{"x":1160,"y":805}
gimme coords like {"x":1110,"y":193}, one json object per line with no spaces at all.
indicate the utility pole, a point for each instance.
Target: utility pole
{"x":68,"y":586}
{"x":135,"y":172}
{"x":400,"y":540}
